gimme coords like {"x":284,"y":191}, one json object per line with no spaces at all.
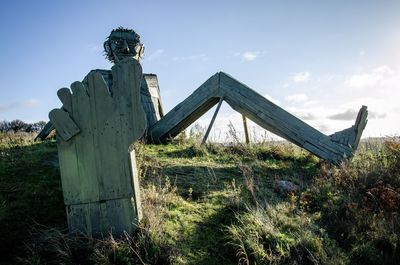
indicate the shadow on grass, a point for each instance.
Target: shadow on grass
{"x":196,"y":181}
{"x":208,"y":242}
{"x":30,"y":193}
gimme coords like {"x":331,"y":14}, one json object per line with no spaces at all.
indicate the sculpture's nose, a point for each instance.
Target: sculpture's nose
{"x":125,"y":47}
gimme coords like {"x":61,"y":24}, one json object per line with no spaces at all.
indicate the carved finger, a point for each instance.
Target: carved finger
{"x":97,"y":85}
{"x":79,"y":89}
{"x":81,"y":105}
{"x":65,"y":126}
{"x":64,"y":94}
{"x":127,"y":75}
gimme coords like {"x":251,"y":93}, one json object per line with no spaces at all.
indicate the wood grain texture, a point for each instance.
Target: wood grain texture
{"x":186,"y":112}
{"x":246,"y":130}
{"x":65,"y":126}
{"x":100,"y":183}
{"x":98,"y":219}
{"x":64,"y":94}
{"x":150,"y":99}
{"x":361,"y":122}
{"x":212,"y":121}
{"x":261,"y":111}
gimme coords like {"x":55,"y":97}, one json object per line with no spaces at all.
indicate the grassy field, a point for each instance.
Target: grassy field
{"x":213,"y":205}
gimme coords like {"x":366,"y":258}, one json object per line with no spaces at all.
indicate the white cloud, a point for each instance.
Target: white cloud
{"x":250,"y":55}
{"x":349,"y":114}
{"x":317,"y":117}
{"x":194,"y":57}
{"x":301,"y":77}
{"x":384,"y":70}
{"x":296,"y":98}
{"x":155,"y":55}
{"x":372,"y":78}
{"x":30,"y":103}
{"x":310,"y":103}
{"x":361,"y":53}
{"x":273,"y":100}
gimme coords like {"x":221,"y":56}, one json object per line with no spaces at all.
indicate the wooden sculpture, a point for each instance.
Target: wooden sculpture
{"x":104,"y":115}
{"x":96,"y":127}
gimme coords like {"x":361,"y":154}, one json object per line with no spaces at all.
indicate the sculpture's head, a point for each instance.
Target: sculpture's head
{"x":123,"y":43}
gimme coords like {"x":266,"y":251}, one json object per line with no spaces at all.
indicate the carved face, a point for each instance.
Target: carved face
{"x":123,"y":43}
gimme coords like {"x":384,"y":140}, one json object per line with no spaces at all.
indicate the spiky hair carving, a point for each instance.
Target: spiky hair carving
{"x":107,"y":45}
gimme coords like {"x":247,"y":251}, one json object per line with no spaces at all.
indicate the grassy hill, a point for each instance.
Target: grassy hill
{"x":220,"y":204}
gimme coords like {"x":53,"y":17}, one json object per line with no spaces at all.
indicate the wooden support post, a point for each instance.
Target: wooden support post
{"x":212,"y":120}
{"x":246,"y":131}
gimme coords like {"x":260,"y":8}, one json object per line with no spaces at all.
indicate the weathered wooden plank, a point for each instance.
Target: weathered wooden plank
{"x":66,"y":127}
{"x":212,"y":121}
{"x":98,"y":178}
{"x":149,"y":89}
{"x":101,"y":218}
{"x":136,"y":201}
{"x":180,"y":117}
{"x":127,"y":77}
{"x":107,"y":129}
{"x":246,"y":130}
{"x":119,"y":216}
{"x":350,"y":137}
{"x":315,"y":150}
{"x":260,"y":110}
{"x":127,"y":82}
{"x":85,"y":146}
{"x":277,"y":120}
{"x":282,"y":123}
{"x":150,"y":93}
{"x":360,"y":124}
{"x":69,"y":171}
{"x":240,"y":96}
{"x":77,"y":219}
{"x":93,"y":215}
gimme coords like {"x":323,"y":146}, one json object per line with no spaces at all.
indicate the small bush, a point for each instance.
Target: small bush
{"x":359,"y":203}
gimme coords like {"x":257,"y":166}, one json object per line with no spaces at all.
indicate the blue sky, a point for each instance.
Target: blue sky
{"x":320,"y":60}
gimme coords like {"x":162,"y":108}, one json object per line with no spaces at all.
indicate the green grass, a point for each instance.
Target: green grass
{"x":212,"y":205}
{"x":30,"y":191}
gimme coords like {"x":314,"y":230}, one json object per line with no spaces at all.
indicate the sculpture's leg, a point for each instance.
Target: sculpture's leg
{"x":351,"y":136}
{"x":186,"y":112}
{"x":263,"y":112}
{"x":277,"y":120}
